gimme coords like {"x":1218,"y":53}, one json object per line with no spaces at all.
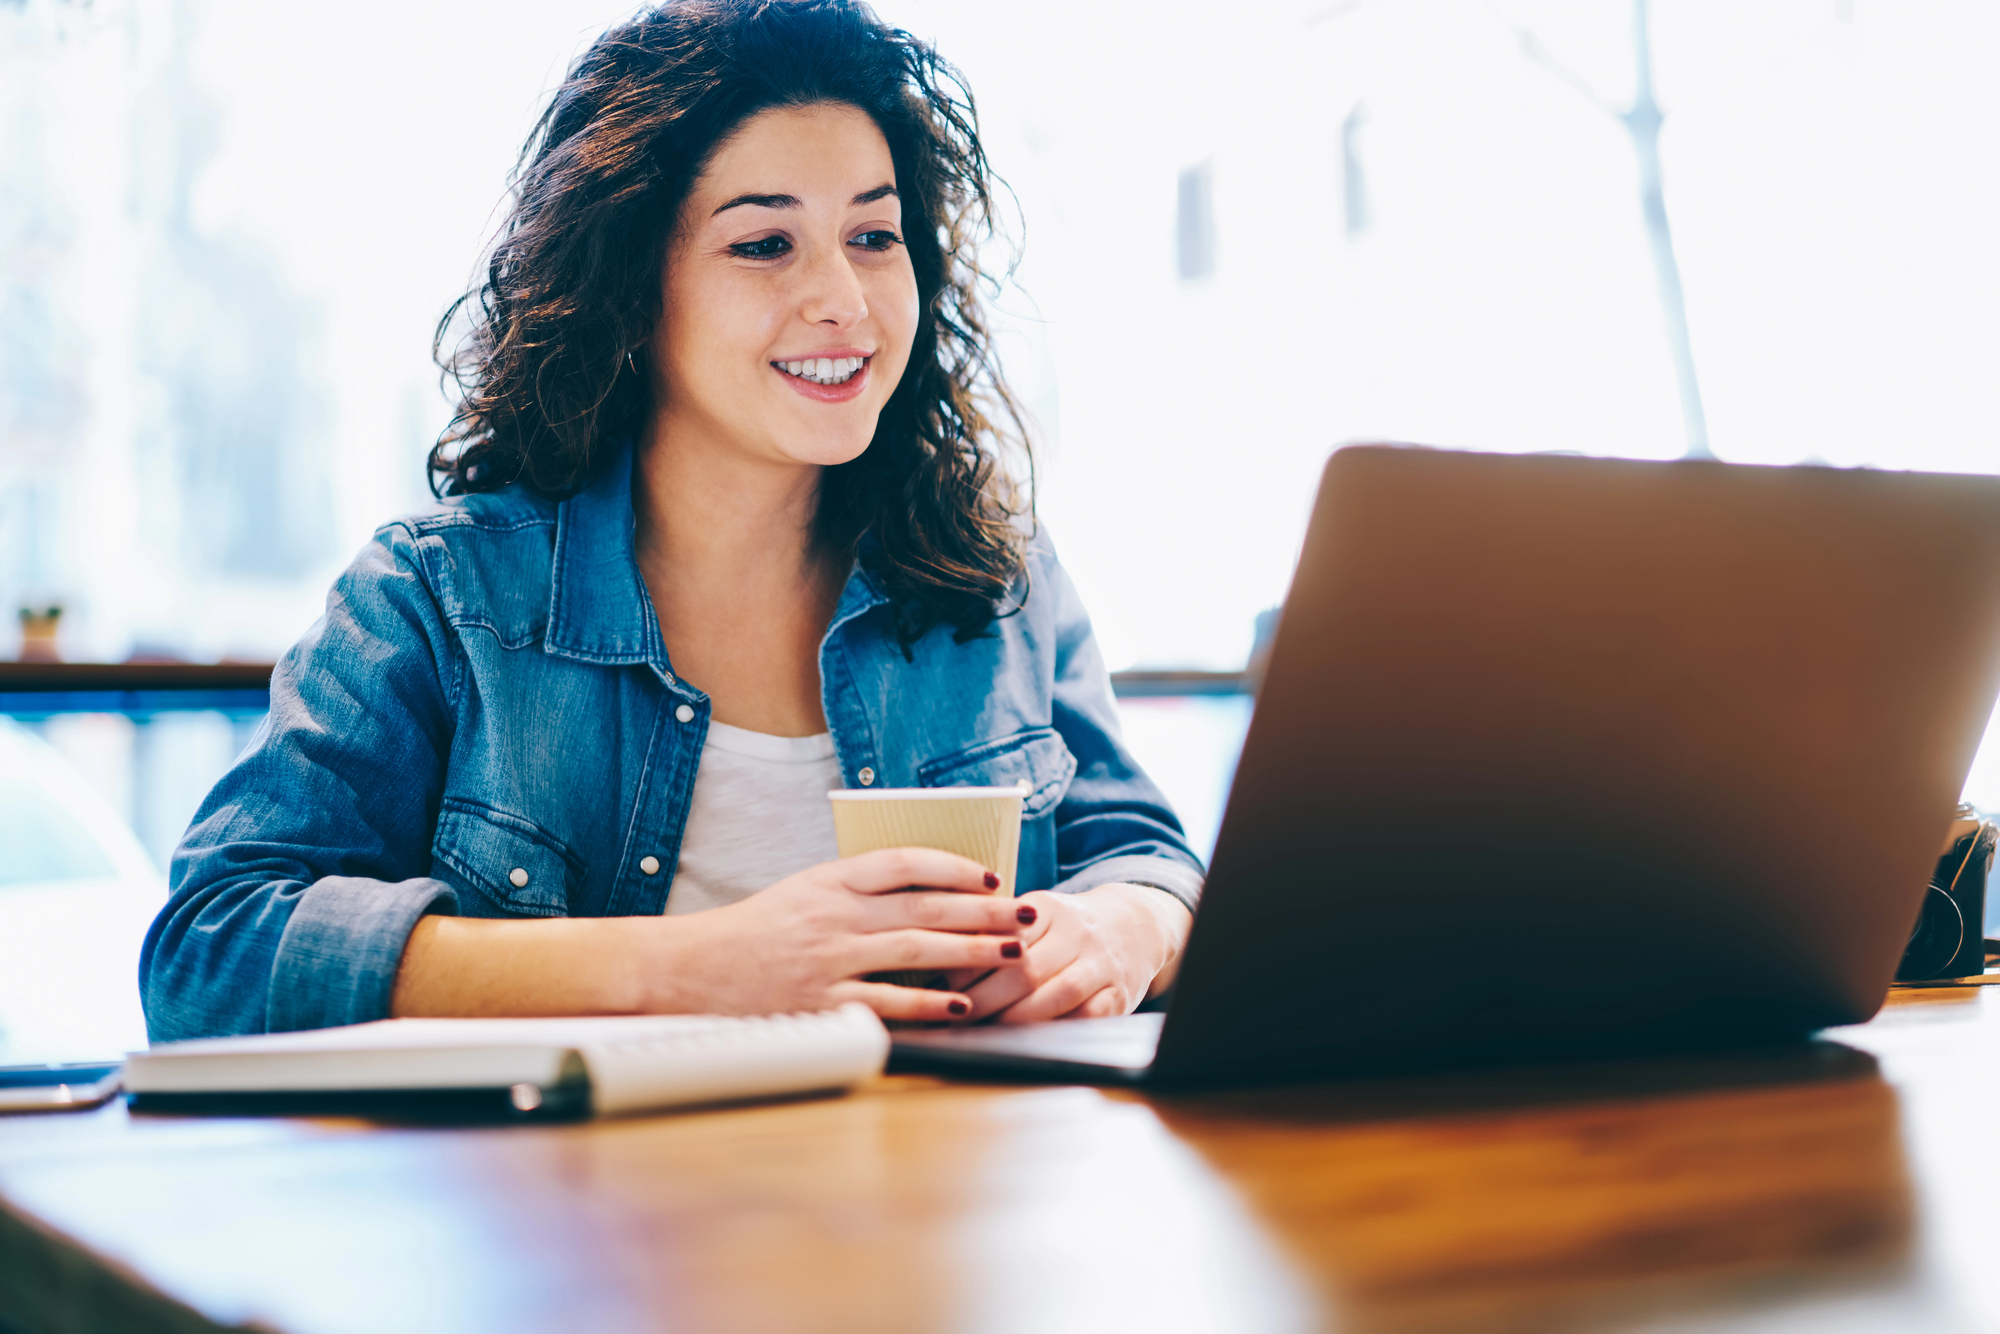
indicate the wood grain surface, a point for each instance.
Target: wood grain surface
{"x":1849,"y":1185}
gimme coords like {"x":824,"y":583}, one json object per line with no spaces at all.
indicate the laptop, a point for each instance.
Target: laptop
{"x":1560,"y":757}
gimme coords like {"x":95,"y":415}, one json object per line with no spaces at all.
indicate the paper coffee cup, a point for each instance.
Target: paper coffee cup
{"x":981,"y":824}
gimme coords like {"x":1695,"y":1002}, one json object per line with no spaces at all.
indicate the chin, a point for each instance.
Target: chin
{"x":832,"y":456}
{"x":829,"y":448}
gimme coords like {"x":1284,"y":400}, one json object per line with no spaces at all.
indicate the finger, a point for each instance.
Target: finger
{"x":881,"y":951}
{"x":889,"y":869}
{"x":914,"y":1003}
{"x":993,"y":993}
{"x":1048,"y":952}
{"x":981,"y":914}
{"x":1106,"y":1004}
{"x":1045,"y":907}
{"x":962,"y":980}
{"x":1060,"y":994}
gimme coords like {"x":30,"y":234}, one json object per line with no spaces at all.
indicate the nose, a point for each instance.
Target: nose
{"x":832,"y":292}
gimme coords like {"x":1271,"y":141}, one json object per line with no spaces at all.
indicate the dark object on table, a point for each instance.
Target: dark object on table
{"x":1948,"y":939}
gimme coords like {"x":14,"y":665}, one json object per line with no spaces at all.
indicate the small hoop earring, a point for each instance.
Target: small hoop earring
{"x":629,"y":362}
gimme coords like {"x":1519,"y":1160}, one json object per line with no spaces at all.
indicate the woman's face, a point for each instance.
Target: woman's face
{"x":790,"y":302}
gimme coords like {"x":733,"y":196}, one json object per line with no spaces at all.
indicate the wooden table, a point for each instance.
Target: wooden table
{"x":1848,"y":1187}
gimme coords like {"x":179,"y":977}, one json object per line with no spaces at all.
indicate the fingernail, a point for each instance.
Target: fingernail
{"x":1025,"y":915}
{"x":992,"y":880}
{"x":1011,"y":950}
{"x":959,"y":1007}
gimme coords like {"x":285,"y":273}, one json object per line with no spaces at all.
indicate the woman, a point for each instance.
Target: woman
{"x":723,"y":528}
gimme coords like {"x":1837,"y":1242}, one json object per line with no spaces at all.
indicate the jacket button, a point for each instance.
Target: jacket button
{"x":684,"y":713}
{"x":867,"y":777}
{"x":518,"y":878}
{"x":650,"y":865}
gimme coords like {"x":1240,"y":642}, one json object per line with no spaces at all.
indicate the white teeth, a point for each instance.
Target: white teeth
{"x":825,"y":370}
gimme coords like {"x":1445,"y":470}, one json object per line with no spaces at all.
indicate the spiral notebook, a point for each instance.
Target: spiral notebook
{"x":512,"y":1069}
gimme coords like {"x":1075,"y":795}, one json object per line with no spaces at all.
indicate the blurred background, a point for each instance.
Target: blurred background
{"x":1245,"y":234}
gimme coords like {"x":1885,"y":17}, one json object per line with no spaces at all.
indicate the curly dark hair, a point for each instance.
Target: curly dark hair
{"x":573,"y":285}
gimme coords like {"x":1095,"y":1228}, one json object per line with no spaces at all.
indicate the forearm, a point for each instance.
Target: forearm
{"x":486,"y":967}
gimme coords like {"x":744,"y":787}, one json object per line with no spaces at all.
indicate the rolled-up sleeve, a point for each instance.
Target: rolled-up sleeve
{"x":1114,"y":824}
{"x":294,"y":891}
{"x":338,"y":954}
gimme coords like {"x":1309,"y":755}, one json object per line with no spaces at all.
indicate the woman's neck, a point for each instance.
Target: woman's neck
{"x":742,"y":590}
{"x":711,"y":516}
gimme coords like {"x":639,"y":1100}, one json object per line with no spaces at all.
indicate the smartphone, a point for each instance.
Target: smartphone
{"x":57,"y":1088}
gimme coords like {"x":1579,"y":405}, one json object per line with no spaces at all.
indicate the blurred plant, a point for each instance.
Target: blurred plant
{"x":39,"y":625}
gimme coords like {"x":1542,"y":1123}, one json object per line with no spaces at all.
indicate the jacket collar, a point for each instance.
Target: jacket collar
{"x":859,"y":595}
{"x":599,"y":610}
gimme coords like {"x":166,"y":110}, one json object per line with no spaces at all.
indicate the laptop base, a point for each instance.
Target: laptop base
{"x":1084,"y":1051}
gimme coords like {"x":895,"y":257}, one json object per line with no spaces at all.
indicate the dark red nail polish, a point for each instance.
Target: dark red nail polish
{"x":1011,"y":950}
{"x":959,"y":1007}
{"x":992,"y":880}
{"x":1025,"y":915}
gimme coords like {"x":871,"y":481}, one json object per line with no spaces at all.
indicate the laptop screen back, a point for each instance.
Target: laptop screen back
{"x":1560,"y":755}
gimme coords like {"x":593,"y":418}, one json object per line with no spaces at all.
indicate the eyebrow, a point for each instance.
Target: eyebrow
{"x":793,"y":201}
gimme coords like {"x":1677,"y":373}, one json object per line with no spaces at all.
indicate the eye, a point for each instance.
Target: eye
{"x":766,"y":247}
{"x":879,"y":239}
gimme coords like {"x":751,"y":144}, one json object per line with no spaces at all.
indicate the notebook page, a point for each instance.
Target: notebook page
{"x":633,"y":1068}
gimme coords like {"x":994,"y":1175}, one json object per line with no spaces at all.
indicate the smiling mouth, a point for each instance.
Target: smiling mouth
{"x":823,"y":370}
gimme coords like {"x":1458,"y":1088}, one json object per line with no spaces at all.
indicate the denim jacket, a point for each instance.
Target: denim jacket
{"x":485,"y":723}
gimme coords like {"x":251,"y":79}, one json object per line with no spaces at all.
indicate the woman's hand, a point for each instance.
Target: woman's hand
{"x":1089,"y":955}
{"x":804,"y":943}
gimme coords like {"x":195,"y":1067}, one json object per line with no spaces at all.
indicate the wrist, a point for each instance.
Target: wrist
{"x":1161,"y":920}
{"x":645,"y":977}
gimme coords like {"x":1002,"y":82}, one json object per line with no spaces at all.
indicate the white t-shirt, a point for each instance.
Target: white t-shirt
{"x":759,"y":814}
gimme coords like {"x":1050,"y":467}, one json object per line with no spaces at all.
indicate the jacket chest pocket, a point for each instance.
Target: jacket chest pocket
{"x":1035,"y":760}
{"x":514,"y":863}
